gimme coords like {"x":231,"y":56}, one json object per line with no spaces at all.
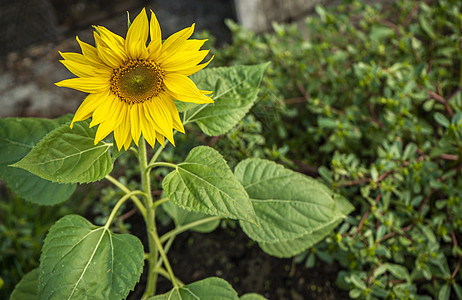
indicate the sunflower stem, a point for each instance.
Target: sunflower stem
{"x":118,"y":205}
{"x":161,"y":164}
{"x":135,"y":199}
{"x":150,"y":220}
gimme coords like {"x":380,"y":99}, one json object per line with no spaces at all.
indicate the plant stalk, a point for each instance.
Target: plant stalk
{"x":150,"y":220}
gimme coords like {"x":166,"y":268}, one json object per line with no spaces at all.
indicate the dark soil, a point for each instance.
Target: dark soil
{"x":229,"y":254}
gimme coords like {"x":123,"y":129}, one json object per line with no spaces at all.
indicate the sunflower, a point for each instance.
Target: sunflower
{"x":132,"y":84}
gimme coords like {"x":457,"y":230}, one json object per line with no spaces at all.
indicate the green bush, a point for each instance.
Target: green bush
{"x":369,"y":99}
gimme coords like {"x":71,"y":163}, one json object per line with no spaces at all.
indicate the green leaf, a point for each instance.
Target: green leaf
{"x":290,"y":248}
{"x":204,"y":183}
{"x":288,"y":205}
{"x":18,"y":136}
{"x":80,"y":260}
{"x":398,"y":271}
{"x":26,"y":289}
{"x":457,"y":290}
{"x":235,"y":90}
{"x":441,"y":119}
{"x":211,"y":288}
{"x":445,"y":292}
{"x":182,"y":217}
{"x":252,"y":296}
{"x":69,"y":155}
{"x":358,"y":282}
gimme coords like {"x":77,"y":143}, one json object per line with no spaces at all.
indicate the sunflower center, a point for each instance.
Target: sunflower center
{"x":137,"y":81}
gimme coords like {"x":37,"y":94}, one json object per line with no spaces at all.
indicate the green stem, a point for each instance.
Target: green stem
{"x":183,"y":228}
{"x":167,"y":246}
{"x":160,"y":202}
{"x":156,"y":155}
{"x":164,"y":273}
{"x":161,"y":163}
{"x":135,"y":199}
{"x":118,"y":205}
{"x":150,"y":220}
{"x":166,"y":262}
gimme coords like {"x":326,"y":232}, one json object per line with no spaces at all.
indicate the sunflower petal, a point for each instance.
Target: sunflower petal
{"x":161,"y":139}
{"x":183,"y":60}
{"x":85,"y":84}
{"x":156,"y":37}
{"x":89,"y":52}
{"x":122,"y":132}
{"x":84,"y":70}
{"x":107,"y":55}
{"x":184,"y":89}
{"x":174,"y":42}
{"x":110,"y":124}
{"x":113,"y":41}
{"x":163,"y":117}
{"x":191,"y":70}
{"x":137,"y":35}
{"x":87,"y":107}
{"x":177,"y":124}
{"x":135,"y":122}
{"x":146,"y":127}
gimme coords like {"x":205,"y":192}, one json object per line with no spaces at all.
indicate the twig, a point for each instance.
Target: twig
{"x":354,"y":182}
{"x":453,"y":275}
{"x":440,"y":99}
{"x":366,"y":214}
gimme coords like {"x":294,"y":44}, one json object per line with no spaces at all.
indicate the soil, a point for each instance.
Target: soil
{"x":229,"y":254}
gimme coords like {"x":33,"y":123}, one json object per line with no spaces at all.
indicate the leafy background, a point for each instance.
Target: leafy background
{"x":368,"y":100}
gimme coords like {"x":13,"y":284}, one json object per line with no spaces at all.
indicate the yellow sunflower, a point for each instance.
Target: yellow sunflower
{"x":132,"y":84}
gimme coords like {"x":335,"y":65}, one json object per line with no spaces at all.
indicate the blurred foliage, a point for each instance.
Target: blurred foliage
{"x":369,"y":99}
{"x":23,"y":226}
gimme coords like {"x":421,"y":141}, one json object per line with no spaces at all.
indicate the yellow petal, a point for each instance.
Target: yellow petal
{"x":161,"y":139}
{"x":177,"y":124}
{"x":85,"y":70}
{"x":192,"y":45}
{"x":86,"y":84}
{"x":147,"y":129}
{"x":113,"y":41}
{"x":104,"y":110}
{"x":184,"y":89}
{"x":137,"y":35}
{"x":107,"y":55}
{"x":191,"y":70}
{"x":111,"y":123}
{"x":87,"y":107}
{"x":122,"y":132}
{"x":89,"y":52}
{"x":163,"y":117}
{"x":156,"y":37}
{"x":184,"y":59}
{"x":135,"y":122}
{"x":174,"y":42}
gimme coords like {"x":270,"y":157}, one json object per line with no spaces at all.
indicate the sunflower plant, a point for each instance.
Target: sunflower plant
{"x":142,"y":90}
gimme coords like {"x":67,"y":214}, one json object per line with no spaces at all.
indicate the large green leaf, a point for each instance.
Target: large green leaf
{"x":211,"y":288}
{"x":235,"y":90}
{"x":252,"y":296}
{"x":182,"y":217}
{"x":69,"y":155}
{"x":204,"y":183}
{"x":292,"y":247}
{"x":289,"y":206}
{"x":26,"y":289}
{"x":18,"y":136}
{"x":82,"y":261}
